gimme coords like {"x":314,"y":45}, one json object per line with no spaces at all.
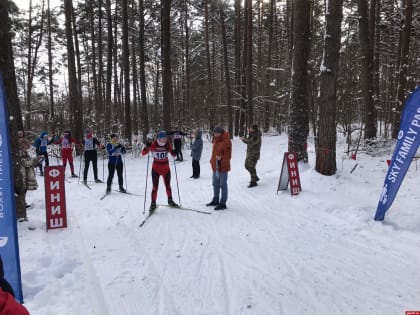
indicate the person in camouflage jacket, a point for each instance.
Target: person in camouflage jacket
{"x":253,"y":142}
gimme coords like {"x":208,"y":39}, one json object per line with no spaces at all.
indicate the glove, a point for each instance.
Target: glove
{"x":118,"y":146}
{"x":148,"y":144}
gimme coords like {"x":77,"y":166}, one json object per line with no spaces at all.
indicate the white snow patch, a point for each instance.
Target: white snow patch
{"x":317,"y":253}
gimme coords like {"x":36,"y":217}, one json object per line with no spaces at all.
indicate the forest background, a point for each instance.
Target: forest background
{"x":305,"y":67}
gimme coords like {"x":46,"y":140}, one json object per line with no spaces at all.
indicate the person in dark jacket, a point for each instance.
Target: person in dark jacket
{"x":196,"y":150}
{"x":40,"y":145}
{"x":253,"y":142}
{"x":90,"y":144}
{"x":177,"y":137}
{"x":115,"y":162}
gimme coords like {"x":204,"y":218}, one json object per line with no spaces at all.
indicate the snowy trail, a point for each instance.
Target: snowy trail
{"x":116,"y":239}
{"x":267,"y":253}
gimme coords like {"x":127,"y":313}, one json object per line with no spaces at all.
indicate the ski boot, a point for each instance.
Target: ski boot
{"x":220,"y":206}
{"x":122,"y":190}
{"x":98,"y":180}
{"x":152,"y":207}
{"x":171,"y":203}
{"x":212,"y":203}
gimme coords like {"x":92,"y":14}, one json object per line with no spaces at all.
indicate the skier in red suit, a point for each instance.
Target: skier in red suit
{"x":9,"y":306}
{"x":160,"y":167}
{"x":66,"y":142}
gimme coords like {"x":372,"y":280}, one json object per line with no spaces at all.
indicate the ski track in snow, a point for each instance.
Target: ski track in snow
{"x":267,"y":253}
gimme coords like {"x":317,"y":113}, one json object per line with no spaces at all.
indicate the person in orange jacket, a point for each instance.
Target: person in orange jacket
{"x":220,"y":163}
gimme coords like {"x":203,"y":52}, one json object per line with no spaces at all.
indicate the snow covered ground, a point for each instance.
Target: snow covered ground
{"x":317,"y":253}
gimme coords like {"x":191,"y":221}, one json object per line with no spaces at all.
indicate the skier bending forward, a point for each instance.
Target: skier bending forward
{"x":160,"y":167}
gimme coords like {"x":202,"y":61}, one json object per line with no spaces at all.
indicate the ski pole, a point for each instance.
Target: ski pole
{"x":177,"y":186}
{"x":125,"y":172}
{"x":80,"y":167}
{"x":103,"y":166}
{"x":145,"y":187}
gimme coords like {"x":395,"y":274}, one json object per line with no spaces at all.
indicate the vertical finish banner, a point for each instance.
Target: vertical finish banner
{"x":55,"y":197}
{"x":293,"y":170}
{"x":407,"y":143}
{"x":290,"y":172}
{"x":9,"y":247}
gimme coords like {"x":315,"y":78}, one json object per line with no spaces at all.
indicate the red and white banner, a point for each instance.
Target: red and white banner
{"x":292,"y":175}
{"x":55,"y":197}
{"x":293,"y":170}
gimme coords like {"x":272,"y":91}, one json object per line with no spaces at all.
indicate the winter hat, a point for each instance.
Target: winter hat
{"x":161,"y":134}
{"x":113,"y":135}
{"x":43,"y":134}
{"x":254,"y":127}
{"x":218,"y":129}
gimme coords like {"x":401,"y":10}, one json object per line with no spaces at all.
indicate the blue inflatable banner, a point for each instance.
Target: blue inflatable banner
{"x":9,"y":248}
{"x":407,"y":143}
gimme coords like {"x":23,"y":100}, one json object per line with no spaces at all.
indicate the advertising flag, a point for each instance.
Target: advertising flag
{"x":9,"y":248}
{"x":407,"y":143}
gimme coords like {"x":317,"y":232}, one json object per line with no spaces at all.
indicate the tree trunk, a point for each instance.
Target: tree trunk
{"x":76,"y":111}
{"x":28,"y":106}
{"x":77,"y":56}
{"x":93,"y":61}
{"x":404,"y":63}
{"x":126,"y":65}
{"x":376,"y":42}
{"x":267,"y":77}
{"x":249,"y":65}
{"x":143,"y":99}
{"x":100,"y":100}
{"x":166,"y":63}
{"x":187,"y":94}
{"x":227,"y":74}
{"x":110,"y":43}
{"x":298,"y":111}
{"x":210,"y":96}
{"x":244,"y":114}
{"x":51,"y":119}
{"x":135,"y":121}
{"x":7,"y":69}
{"x":326,"y":141}
{"x":238,"y":88}
{"x":366,"y":75}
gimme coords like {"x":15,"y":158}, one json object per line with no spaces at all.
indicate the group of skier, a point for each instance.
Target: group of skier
{"x":159,"y":147}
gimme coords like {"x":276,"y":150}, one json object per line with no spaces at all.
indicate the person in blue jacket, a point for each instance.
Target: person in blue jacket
{"x":196,"y":150}
{"x":115,"y":162}
{"x":41,"y":149}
